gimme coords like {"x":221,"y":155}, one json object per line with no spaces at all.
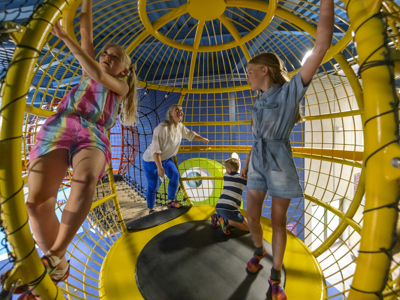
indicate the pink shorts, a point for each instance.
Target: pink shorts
{"x":66,"y":132}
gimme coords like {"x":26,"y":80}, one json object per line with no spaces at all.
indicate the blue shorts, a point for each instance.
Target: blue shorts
{"x":271,"y":168}
{"x":233,"y":215}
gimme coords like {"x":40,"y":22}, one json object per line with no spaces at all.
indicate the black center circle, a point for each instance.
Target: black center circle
{"x":193,"y":260}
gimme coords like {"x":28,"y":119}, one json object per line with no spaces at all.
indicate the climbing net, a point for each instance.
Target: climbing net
{"x":19,"y":15}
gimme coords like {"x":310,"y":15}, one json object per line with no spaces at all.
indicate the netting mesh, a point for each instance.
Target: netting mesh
{"x":209,"y":81}
{"x":19,"y":14}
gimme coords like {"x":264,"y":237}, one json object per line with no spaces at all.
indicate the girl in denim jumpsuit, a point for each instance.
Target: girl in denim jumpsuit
{"x":270,"y":164}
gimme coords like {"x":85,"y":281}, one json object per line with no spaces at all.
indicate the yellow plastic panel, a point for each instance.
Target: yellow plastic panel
{"x":304,"y":279}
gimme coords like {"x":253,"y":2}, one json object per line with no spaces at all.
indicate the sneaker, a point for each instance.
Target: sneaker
{"x":277,"y":292}
{"x":214,"y":220}
{"x":174,"y":204}
{"x":224,"y":226}
{"x":254,"y":263}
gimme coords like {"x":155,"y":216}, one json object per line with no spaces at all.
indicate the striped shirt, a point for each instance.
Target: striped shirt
{"x":231,"y":196}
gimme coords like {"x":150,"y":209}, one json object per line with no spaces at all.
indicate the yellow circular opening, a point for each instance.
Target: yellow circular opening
{"x":206,"y":10}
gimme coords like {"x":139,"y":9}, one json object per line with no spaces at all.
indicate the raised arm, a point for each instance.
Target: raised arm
{"x":322,"y":43}
{"x":86,"y":25}
{"x":89,"y":64}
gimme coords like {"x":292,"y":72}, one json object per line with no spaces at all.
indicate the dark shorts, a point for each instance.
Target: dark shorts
{"x":233,"y":215}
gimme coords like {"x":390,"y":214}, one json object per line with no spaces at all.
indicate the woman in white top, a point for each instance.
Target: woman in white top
{"x":158,"y":158}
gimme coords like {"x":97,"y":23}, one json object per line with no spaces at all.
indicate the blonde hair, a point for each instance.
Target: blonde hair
{"x":169,"y":120}
{"x":276,"y":71}
{"x":129,"y":101}
{"x":232,"y":163}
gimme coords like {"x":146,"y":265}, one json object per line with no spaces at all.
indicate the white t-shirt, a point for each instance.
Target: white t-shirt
{"x":166,"y":142}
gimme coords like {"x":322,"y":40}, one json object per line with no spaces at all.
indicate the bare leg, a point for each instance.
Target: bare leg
{"x":243,"y":226}
{"x":87,"y":164}
{"x":255,"y":200}
{"x":278,"y":215}
{"x":44,"y":180}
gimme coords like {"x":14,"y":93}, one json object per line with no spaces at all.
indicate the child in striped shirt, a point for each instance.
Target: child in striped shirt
{"x":228,"y":206}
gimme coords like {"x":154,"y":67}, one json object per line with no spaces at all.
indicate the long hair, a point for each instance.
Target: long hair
{"x":276,"y":71}
{"x":169,"y":121}
{"x":129,"y":101}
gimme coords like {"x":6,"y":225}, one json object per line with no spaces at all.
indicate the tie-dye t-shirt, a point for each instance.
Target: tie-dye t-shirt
{"x":83,"y":117}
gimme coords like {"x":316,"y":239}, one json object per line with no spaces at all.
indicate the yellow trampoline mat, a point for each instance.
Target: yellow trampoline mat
{"x":304,"y":278}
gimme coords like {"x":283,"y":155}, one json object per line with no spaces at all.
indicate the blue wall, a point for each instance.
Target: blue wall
{"x":209,"y":108}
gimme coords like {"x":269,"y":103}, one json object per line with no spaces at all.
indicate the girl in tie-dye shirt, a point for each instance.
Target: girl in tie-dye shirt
{"x":76,"y":136}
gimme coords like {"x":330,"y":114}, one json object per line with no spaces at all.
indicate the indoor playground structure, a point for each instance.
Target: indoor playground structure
{"x":342,"y":240}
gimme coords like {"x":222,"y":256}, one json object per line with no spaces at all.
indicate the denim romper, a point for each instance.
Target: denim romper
{"x":271,"y":164}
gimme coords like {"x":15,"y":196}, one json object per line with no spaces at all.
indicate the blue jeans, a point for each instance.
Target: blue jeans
{"x":150,"y":171}
{"x":234,"y":215}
